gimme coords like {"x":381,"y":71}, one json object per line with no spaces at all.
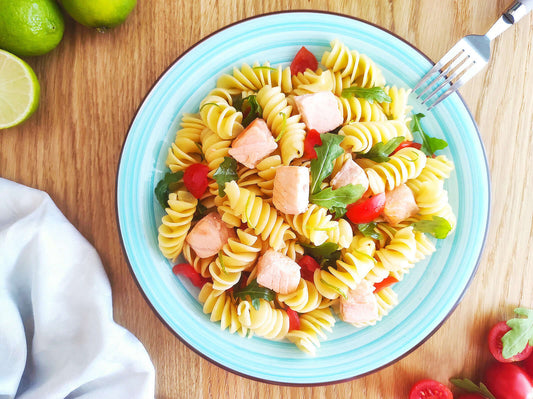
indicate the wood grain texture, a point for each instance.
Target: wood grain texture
{"x":93,"y":83}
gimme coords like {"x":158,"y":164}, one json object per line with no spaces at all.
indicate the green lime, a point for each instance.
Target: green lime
{"x":19,"y":90}
{"x":30,"y":27}
{"x":100,"y":14}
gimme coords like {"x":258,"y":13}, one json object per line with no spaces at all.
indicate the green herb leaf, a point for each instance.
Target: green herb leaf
{"x":255,"y":110}
{"x":437,"y":226}
{"x":325,"y":254}
{"x":221,"y":261}
{"x":471,"y":387}
{"x":339,"y":211}
{"x":166,"y":186}
{"x":429,"y":144}
{"x":200,"y":212}
{"x":334,"y":288}
{"x":206,"y":104}
{"x":264,"y":67}
{"x":515,"y":340}
{"x":255,"y":292}
{"x":283,"y":127}
{"x":380,"y":152}
{"x":339,"y":198}
{"x":369,"y":230}
{"x":322,"y":165}
{"x":227,"y":171}
{"x":369,"y":94}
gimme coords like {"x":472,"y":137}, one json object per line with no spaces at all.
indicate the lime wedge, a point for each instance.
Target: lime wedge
{"x":19,"y":90}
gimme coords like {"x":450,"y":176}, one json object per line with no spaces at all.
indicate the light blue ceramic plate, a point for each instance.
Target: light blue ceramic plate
{"x":427,"y":295}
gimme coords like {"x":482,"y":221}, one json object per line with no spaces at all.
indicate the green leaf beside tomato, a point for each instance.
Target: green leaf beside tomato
{"x":322,"y":165}
{"x":226,"y":172}
{"x":166,"y":185}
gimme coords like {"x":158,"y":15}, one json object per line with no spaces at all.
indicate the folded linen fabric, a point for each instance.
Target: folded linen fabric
{"x":57,"y":334}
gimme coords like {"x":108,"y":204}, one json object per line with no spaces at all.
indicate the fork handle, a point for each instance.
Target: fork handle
{"x":519,"y":9}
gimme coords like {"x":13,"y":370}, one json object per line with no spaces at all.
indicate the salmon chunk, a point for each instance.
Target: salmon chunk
{"x":399,"y":204}
{"x":320,"y":111}
{"x":361,"y":304}
{"x":278,"y":272}
{"x":209,"y":235}
{"x":349,"y":173}
{"x":291,"y":189}
{"x":253,"y":144}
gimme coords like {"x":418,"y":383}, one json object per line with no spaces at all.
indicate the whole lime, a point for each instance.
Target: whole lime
{"x":30,"y":27}
{"x":99,"y":14}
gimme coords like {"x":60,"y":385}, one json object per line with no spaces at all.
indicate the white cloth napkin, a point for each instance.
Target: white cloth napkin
{"x":57,"y":334}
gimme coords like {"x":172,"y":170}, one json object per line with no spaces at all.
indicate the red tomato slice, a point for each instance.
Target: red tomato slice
{"x":312,"y":138}
{"x":302,"y":60}
{"x":195,"y":179}
{"x":405,"y":144}
{"x":294,"y":319}
{"x":471,"y":396}
{"x":388,"y":281}
{"x":308,"y":266}
{"x":430,"y":389}
{"x":188,"y":271}
{"x":366,"y":210}
{"x":495,"y":344}
{"x":527,"y":365}
{"x":508,"y":381}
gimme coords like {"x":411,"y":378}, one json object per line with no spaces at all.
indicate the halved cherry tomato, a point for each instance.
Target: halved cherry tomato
{"x":405,"y":144}
{"x":302,"y":60}
{"x":294,"y":319}
{"x":388,"y":281}
{"x":366,"y":210}
{"x":430,"y":389}
{"x":508,"y":381}
{"x":308,"y":266}
{"x":495,"y":344}
{"x":188,"y":271}
{"x":312,"y":138}
{"x":195,"y":179}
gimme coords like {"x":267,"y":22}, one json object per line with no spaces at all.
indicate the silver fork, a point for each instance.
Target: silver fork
{"x":466,"y":58}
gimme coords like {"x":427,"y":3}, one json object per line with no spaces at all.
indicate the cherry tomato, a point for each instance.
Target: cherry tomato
{"x":471,"y":396}
{"x":388,"y":281}
{"x":294,"y":319}
{"x":302,"y":60}
{"x":405,"y":144}
{"x":508,"y":381}
{"x":366,"y":210}
{"x":188,"y":271}
{"x":312,"y":138}
{"x":527,"y":365}
{"x":430,"y":389}
{"x":495,"y":344}
{"x":308,"y":266}
{"x":195,"y":179}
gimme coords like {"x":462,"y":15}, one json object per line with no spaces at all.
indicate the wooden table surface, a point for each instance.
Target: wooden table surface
{"x":93,"y":83}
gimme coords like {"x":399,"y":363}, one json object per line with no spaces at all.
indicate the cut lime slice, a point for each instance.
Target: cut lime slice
{"x":19,"y":90}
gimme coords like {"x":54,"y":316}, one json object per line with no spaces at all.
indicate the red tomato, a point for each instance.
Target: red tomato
{"x":294,"y":319}
{"x":495,"y":344}
{"x":388,"y":281}
{"x":527,"y":365}
{"x":188,"y":271}
{"x":195,"y":179}
{"x":312,"y":138}
{"x":508,"y":381}
{"x":366,"y":210}
{"x":430,"y":389}
{"x":302,"y":60}
{"x":308,"y":266}
{"x":405,"y":144}
{"x":471,"y":396}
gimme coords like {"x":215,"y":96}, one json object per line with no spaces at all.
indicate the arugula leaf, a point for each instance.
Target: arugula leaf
{"x":339,"y":198}
{"x":369,"y":230}
{"x":371,"y":94}
{"x":227,"y":171}
{"x":339,"y":211}
{"x":470,"y":386}
{"x":201,"y":211}
{"x":380,"y":151}
{"x":322,"y":165}
{"x":429,"y":144}
{"x":283,"y":126}
{"x":521,"y":333}
{"x":221,"y":261}
{"x":165,"y":186}
{"x":325,"y":254}
{"x":255,"y":110}
{"x":206,"y":104}
{"x":255,"y":292}
{"x":437,"y":226}
{"x":264,"y":67}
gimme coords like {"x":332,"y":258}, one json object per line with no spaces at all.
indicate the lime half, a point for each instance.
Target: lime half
{"x":19,"y":90}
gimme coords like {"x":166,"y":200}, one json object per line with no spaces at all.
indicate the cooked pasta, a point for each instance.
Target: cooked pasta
{"x":360,"y":137}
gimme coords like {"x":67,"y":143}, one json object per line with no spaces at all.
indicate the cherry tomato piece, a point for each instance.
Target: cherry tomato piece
{"x":308,"y":266}
{"x":471,"y":396}
{"x":405,"y":144}
{"x":430,"y":389}
{"x":388,"y":281}
{"x":527,"y":365}
{"x":508,"y":381}
{"x":303,"y":60}
{"x":294,"y":319}
{"x":366,"y":210}
{"x":195,"y":179}
{"x":312,"y":138}
{"x":495,"y":344}
{"x":188,"y":271}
